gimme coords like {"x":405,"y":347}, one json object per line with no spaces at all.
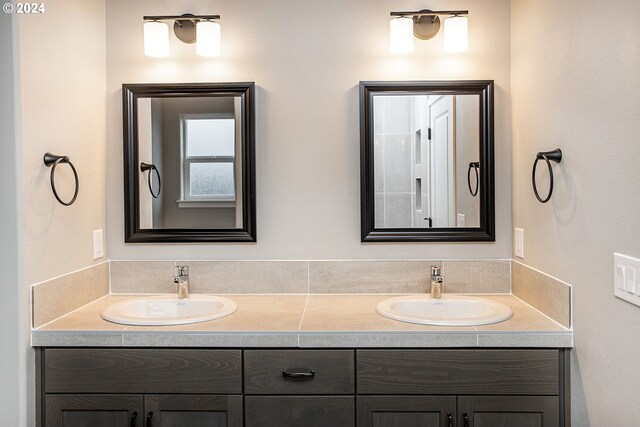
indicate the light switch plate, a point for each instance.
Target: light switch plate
{"x":626,"y":278}
{"x":98,"y":244}
{"x":519,"y":242}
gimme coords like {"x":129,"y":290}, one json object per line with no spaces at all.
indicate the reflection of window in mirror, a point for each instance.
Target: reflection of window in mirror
{"x":201,"y":137}
{"x":208,"y":160}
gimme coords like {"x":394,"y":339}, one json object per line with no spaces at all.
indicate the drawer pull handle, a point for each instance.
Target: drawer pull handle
{"x":299,"y":373}
{"x":450,"y":418}
{"x":149,"y":415}
{"x":133,"y":418}
{"x":466,"y":420}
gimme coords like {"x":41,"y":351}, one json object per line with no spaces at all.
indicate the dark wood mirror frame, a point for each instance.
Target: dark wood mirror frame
{"x":133,"y":232}
{"x":486,"y":231}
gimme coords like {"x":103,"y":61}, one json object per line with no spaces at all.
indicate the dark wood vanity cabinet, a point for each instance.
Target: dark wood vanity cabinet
{"x":113,"y":410}
{"x":140,"y":388}
{"x":462,"y":411}
{"x":302,"y":388}
{"x":462,"y":387}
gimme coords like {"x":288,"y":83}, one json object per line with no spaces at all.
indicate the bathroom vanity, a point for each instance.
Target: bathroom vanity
{"x":310,"y":387}
{"x":298,"y":360}
{"x":302,"y":387}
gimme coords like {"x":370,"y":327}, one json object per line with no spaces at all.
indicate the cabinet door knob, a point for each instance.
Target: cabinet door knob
{"x":465,"y":417}
{"x":450,"y":418}
{"x":133,"y":419}
{"x":149,"y":416}
{"x":299,"y":373}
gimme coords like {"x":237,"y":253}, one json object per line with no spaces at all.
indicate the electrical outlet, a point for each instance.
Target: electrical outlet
{"x":98,"y":244}
{"x":461,"y":220}
{"x":626,"y":278}
{"x":519,"y":242}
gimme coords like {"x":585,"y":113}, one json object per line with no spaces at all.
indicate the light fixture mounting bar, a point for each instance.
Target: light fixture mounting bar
{"x":431,"y":13}
{"x":179,"y":17}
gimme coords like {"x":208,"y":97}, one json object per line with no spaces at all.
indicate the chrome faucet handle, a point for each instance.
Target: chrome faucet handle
{"x":435,"y":270}
{"x":181,"y":271}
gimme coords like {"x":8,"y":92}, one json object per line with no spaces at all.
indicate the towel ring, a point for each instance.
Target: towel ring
{"x":52,"y":161}
{"x":144,"y":167}
{"x":474,"y":166}
{"x":548,"y":157}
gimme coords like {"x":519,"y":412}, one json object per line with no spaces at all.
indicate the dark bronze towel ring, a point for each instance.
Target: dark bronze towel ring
{"x":548,"y":157}
{"x":52,"y":161}
{"x":148,"y":167}
{"x":475,"y":166}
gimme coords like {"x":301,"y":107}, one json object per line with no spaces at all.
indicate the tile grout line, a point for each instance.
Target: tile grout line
{"x":511,"y":277}
{"x":305,"y":302}
{"x":109,"y":277}
{"x":303,"y":312}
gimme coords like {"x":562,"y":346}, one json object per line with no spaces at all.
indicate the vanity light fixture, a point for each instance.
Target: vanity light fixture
{"x":199,"y":29}
{"x":424,"y":25}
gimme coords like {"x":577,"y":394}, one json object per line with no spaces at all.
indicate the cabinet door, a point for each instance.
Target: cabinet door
{"x":300,"y":411}
{"x":93,"y":410}
{"x":193,"y":411}
{"x":406,"y":411}
{"x":508,"y":411}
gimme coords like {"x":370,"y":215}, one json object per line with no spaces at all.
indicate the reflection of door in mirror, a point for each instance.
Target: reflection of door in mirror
{"x":195,"y":144}
{"x":422,"y":144}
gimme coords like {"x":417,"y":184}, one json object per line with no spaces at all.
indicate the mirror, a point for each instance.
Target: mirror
{"x":189,"y":162}
{"x":426,"y":151}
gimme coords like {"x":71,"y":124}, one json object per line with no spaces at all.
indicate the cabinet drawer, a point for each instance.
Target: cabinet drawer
{"x":143,"y":371}
{"x":515,"y":372}
{"x":299,"y":411}
{"x":333,"y":371}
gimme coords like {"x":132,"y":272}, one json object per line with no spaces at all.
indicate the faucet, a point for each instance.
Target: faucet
{"x":181,"y":278}
{"x":437,"y":282}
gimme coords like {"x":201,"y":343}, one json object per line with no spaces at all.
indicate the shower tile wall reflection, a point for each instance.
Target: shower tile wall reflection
{"x":394,"y":201}
{"x":423,"y":145}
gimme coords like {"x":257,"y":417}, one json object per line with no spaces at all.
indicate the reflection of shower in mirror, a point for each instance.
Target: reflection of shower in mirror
{"x":422,"y":146}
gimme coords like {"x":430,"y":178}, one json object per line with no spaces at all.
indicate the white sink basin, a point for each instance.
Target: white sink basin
{"x":450,"y":310}
{"x":169,"y":310}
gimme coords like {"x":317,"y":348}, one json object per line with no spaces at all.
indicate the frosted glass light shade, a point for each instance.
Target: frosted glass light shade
{"x":208,"y":38}
{"x":456,"y":34}
{"x":401,"y":35}
{"x":156,"y":39}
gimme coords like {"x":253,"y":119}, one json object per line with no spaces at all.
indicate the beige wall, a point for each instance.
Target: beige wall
{"x":62,"y":72}
{"x":14,"y":302}
{"x":60,"y":107}
{"x":307,"y":58}
{"x":575,"y":86}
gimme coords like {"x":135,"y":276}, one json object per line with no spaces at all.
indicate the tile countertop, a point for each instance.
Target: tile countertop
{"x":316,"y":320}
